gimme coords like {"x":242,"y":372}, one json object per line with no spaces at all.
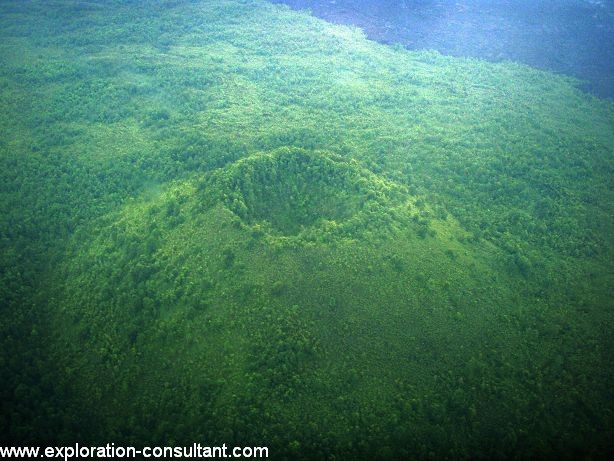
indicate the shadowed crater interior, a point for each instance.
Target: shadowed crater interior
{"x":292,"y":189}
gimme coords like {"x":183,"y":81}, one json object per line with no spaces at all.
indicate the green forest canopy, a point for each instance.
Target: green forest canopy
{"x":234,"y":223}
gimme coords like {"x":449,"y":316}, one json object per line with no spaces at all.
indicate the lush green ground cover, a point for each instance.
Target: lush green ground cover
{"x":227,"y":222}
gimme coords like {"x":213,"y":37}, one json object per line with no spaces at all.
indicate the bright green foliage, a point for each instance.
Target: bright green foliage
{"x":227,"y":222}
{"x":290,"y":190}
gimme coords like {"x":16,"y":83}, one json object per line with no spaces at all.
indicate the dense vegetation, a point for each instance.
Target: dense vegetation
{"x":227,"y":222}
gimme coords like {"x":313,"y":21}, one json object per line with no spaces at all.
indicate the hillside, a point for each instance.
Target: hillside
{"x":230,"y":222}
